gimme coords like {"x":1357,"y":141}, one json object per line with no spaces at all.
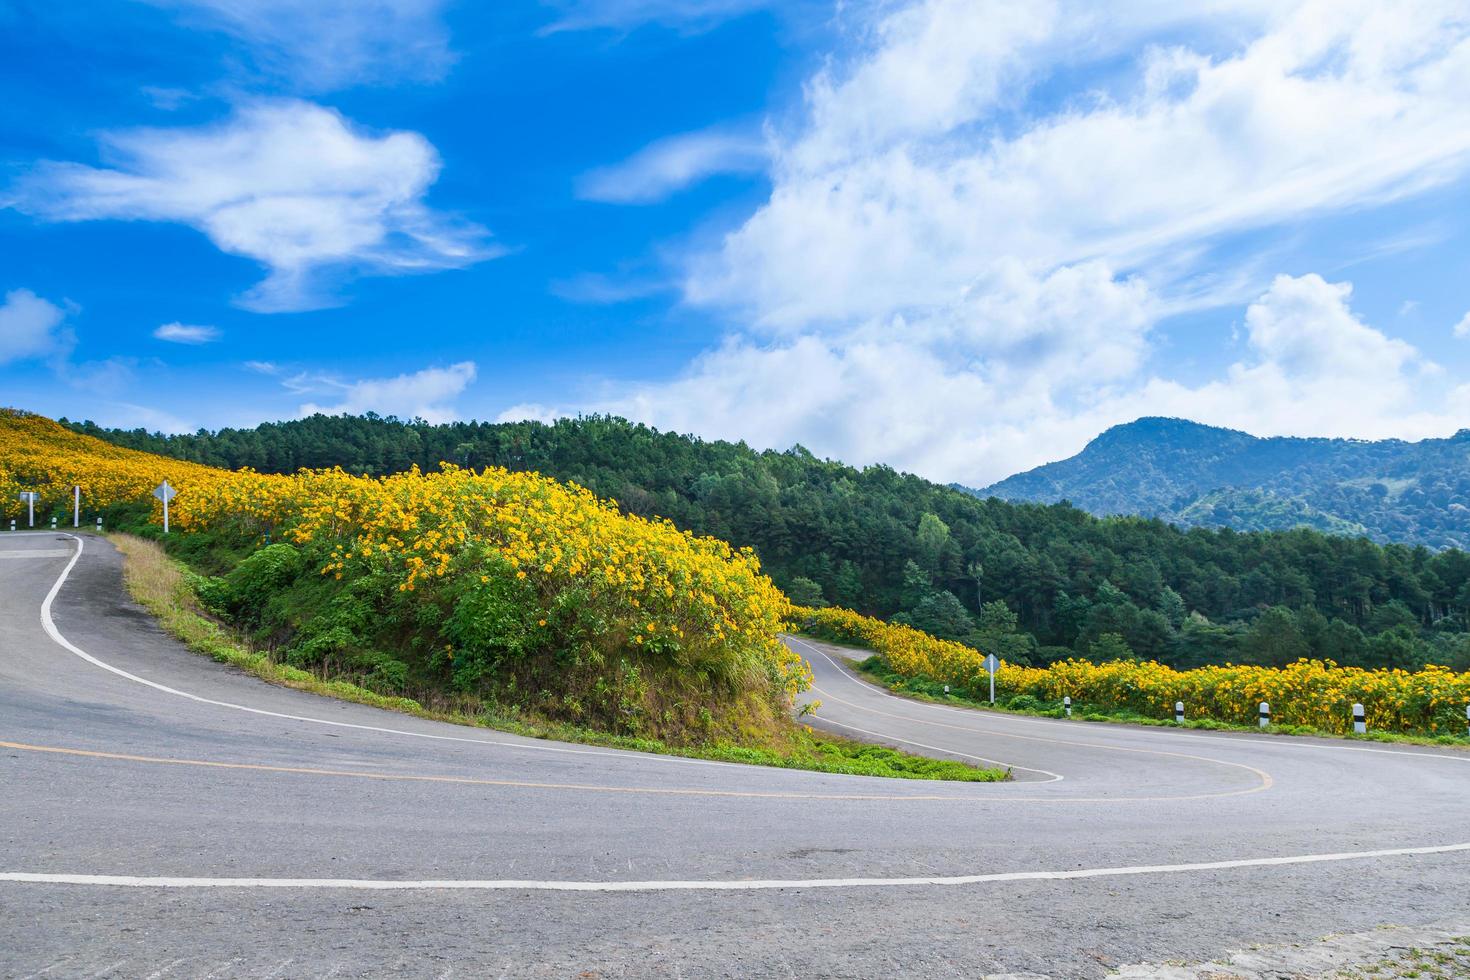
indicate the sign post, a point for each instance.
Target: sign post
{"x":992,"y":664}
{"x":76,"y":506}
{"x":30,"y":497}
{"x":165,"y":493}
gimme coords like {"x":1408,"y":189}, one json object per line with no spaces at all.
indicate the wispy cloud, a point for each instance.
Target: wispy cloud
{"x":321,"y":45}
{"x":594,"y":287}
{"x":292,"y":185}
{"x":674,"y":163}
{"x":186,"y":333}
{"x":691,"y":16}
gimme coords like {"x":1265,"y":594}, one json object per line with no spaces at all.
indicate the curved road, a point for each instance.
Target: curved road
{"x":163,"y":815}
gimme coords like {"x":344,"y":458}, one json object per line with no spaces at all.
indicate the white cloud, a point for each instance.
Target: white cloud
{"x":674,"y":163}
{"x":109,"y":376}
{"x":270,"y":368}
{"x":1315,"y":369}
{"x":593,"y":287}
{"x":1462,"y":329}
{"x":689,"y":16}
{"x":902,"y":186}
{"x":965,"y":252}
{"x":186,"y":333}
{"x":1311,"y":367}
{"x":166,"y":98}
{"x":127,"y":415}
{"x":327,"y":44}
{"x":30,"y":327}
{"x":529,"y":412}
{"x":426,"y":394}
{"x":293,"y":185}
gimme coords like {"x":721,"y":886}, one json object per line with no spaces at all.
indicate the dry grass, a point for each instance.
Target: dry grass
{"x":160,"y":585}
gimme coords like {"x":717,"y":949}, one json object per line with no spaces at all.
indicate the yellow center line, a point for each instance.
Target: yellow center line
{"x":473,"y":781}
{"x":595,"y":788}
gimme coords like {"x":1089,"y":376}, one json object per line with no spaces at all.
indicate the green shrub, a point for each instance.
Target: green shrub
{"x":260,"y":576}
{"x":381,"y":673}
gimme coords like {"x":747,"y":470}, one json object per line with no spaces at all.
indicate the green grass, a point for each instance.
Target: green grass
{"x":926,"y":689}
{"x":161,"y":585}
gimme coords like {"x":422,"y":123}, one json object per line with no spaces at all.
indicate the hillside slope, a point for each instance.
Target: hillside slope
{"x":1032,"y":582}
{"x":500,"y":588}
{"x":1412,"y":492}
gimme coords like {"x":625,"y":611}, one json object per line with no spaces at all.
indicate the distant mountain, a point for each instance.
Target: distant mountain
{"x":1181,"y":471}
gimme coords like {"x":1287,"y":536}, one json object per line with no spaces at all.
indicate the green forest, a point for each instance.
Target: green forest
{"x":1193,"y":474}
{"x":1031,"y":582}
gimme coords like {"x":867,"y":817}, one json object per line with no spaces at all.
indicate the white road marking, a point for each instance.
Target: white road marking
{"x":1223,"y":738}
{"x":1265,"y":778}
{"x":49,"y":625}
{"x":1051,"y":776}
{"x":735,"y":884}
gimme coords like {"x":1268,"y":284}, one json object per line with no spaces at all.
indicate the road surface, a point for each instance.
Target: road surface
{"x":162,"y":815}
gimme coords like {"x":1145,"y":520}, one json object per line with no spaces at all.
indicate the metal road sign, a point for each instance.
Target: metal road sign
{"x":991,"y":664}
{"x":165,"y":493}
{"x":29,"y":496}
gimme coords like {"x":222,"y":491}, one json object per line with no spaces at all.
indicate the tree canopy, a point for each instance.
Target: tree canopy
{"x":887,"y":543}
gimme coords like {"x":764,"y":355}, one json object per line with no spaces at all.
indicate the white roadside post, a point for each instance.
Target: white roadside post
{"x":12,"y":527}
{"x":76,"y":506}
{"x":992,"y":664}
{"x":53,"y":522}
{"x":1178,"y":712}
{"x":1467,"y":719}
{"x":30,"y":497}
{"x":99,"y":525}
{"x":1265,"y":714}
{"x":165,"y":493}
{"x":1067,"y":706}
{"x":1360,"y":721}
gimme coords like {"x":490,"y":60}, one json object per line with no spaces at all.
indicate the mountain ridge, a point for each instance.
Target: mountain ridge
{"x":1190,"y":473}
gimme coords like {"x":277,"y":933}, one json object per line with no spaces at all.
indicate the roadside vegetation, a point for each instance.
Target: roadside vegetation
{"x":1306,"y":698}
{"x":1032,"y":583}
{"x":494,"y":598}
{"x":170,"y":591}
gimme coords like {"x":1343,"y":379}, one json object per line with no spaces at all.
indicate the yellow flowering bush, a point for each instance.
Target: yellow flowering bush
{"x":510,"y":571}
{"x":1309,"y":692}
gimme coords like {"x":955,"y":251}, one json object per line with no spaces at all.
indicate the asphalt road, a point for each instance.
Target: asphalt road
{"x":162,"y":815}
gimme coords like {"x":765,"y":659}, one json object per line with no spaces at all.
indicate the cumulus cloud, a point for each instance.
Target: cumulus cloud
{"x":672,"y":164}
{"x":327,"y":44}
{"x":186,"y":333}
{"x":426,"y":394}
{"x":292,"y":185}
{"x":1310,"y":366}
{"x":30,"y":327}
{"x":896,"y":193}
{"x":1462,"y":329}
{"x":965,"y":257}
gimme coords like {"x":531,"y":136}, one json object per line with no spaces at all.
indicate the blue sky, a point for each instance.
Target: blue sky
{"x":957,"y":236}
